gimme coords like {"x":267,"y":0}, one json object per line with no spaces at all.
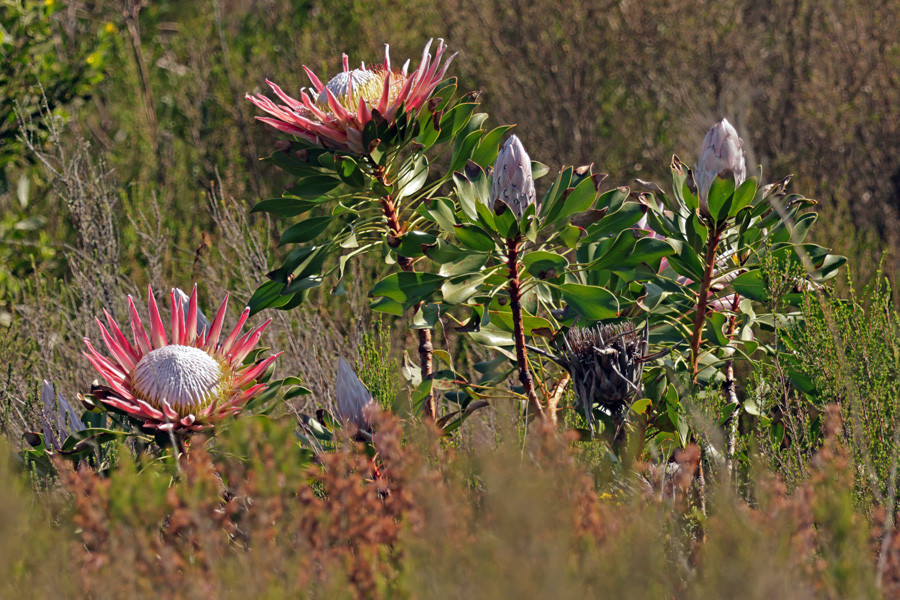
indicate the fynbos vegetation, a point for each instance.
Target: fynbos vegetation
{"x":607,"y":351}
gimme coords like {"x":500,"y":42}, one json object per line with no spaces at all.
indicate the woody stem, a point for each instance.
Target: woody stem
{"x":712,"y":245}
{"x":512,"y":258}
{"x":426,"y":350}
{"x":730,"y":388}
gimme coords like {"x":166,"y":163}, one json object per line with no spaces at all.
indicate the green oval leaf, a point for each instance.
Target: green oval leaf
{"x":751,"y":285}
{"x":540,"y":264}
{"x":474,"y":237}
{"x":305,"y":231}
{"x":407,"y":288}
{"x":590,"y":301}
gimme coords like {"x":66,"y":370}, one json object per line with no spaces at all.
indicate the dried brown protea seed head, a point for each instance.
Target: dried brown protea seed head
{"x":606,"y":363}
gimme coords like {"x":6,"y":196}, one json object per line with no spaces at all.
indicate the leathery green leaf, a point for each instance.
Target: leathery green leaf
{"x":590,"y":301}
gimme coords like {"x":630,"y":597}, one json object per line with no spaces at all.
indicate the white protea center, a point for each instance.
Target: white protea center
{"x":186,"y":377}
{"x":188,"y":380}
{"x":339,"y":85}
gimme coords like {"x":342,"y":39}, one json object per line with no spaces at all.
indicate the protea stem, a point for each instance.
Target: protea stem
{"x":426,"y":350}
{"x":512,"y":263}
{"x":731,"y":390}
{"x":703,"y":300}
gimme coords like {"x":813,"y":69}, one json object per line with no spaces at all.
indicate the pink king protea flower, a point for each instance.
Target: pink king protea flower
{"x":335,"y":115}
{"x":184,"y":383}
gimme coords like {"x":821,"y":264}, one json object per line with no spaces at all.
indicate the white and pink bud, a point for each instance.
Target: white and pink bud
{"x":58,"y":418}
{"x":354,"y":401}
{"x":513,"y":183}
{"x":721,"y":155}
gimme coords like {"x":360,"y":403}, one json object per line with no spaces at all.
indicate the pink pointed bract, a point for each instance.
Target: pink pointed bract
{"x":186,"y":381}
{"x":333,"y":115}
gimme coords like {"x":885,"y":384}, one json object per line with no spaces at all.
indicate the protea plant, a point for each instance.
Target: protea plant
{"x":512,"y":188}
{"x":187,"y":381}
{"x":334,"y":115}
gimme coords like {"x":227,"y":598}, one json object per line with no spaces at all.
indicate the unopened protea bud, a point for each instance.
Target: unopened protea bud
{"x":58,"y":418}
{"x":202,"y":322}
{"x":513,"y":184}
{"x":721,"y":155}
{"x":354,"y":401}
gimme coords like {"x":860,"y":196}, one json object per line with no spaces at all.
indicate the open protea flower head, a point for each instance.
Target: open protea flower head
{"x":336,"y":113}
{"x":513,"y":183}
{"x":187,"y":381}
{"x":721,"y":155}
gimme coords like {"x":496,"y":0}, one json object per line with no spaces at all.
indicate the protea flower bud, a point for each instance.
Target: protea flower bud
{"x":202,"y":322}
{"x":58,"y":418}
{"x":513,"y":184}
{"x":354,"y":401}
{"x":721,"y":155}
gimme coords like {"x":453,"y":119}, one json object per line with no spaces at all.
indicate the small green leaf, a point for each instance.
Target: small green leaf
{"x":743,"y":196}
{"x":715,"y":335}
{"x":474,"y":237}
{"x":470,"y":262}
{"x":719,"y":197}
{"x":751,"y":285}
{"x":640,"y":407}
{"x":460,"y":289}
{"x":386,"y":305}
{"x":443,"y":252}
{"x":267,"y":295}
{"x":613,"y":200}
{"x":442,"y":212}
{"x":407,"y":288}
{"x":506,"y":223}
{"x":473,"y":187}
{"x":616,"y":222}
{"x":570,"y":235}
{"x":538,"y":170}
{"x":413,"y":178}
{"x":543,"y":264}
{"x":411,"y":243}
{"x":591,"y":302}
{"x":314,"y":186}
{"x":350,"y":172}
{"x":427,"y":315}
{"x":305,"y":231}
{"x":650,"y":251}
{"x":285,"y":207}
{"x":455,"y":119}
{"x":462,"y":152}
{"x":551,"y":203}
{"x":612,"y":252}
{"x":579,"y":199}
{"x":489,"y":146}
